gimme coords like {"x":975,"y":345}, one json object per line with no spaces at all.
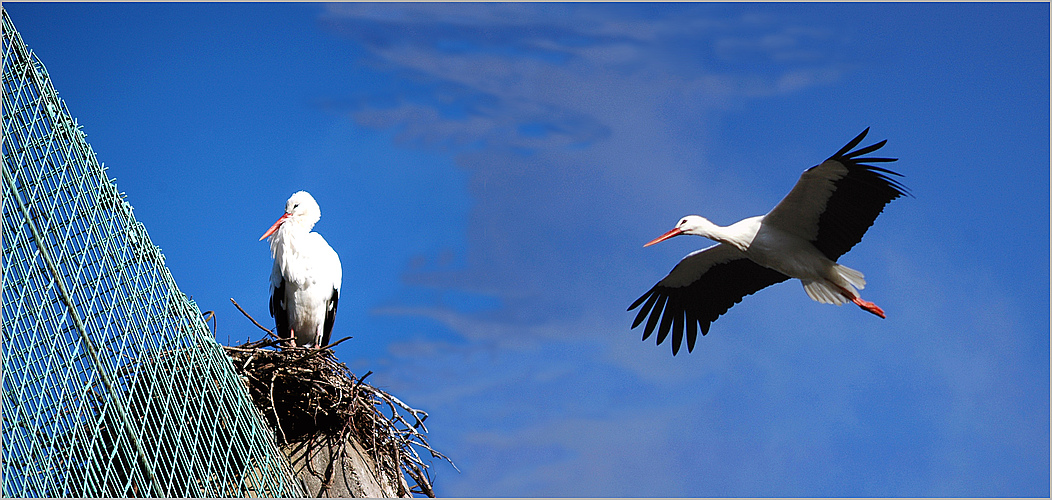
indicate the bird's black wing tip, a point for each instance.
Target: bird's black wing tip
{"x":641,"y":299}
{"x":854,"y":142}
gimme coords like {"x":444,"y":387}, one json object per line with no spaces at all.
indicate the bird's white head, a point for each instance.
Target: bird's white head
{"x":301,"y":210}
{"x":691,"y":224}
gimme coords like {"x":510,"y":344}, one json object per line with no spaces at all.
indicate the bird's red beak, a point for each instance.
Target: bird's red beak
{"x":274,"y":227}
{"x":674,"y":232}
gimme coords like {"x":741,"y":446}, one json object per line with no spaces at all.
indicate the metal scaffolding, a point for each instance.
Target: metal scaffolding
{"x":112,"y":384}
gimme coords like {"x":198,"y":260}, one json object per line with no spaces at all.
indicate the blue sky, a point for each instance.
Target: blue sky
{"x":490,"y":172}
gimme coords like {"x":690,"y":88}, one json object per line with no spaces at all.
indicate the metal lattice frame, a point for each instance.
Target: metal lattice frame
{"x":112,"y":384}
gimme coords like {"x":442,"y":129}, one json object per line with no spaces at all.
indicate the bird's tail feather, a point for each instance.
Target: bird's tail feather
{"x":823,"y":292}
{"x":853,"y":277}
{"x":829,"y":293}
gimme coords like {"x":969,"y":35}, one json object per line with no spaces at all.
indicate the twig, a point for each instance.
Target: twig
{"x":422,"y":482}
{"x":250,"y":358}
{"x":354,"y":390}
{"x":212,"y":315}
{"x":265,"y":329}
{"x":240,"y":349}
{"x":338,"y":342}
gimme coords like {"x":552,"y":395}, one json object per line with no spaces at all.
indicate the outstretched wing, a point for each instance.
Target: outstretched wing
{"x":834,"y":203}
{"x":703,"y":286}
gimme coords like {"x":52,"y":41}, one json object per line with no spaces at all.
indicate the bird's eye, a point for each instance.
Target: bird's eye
{"x":295,"y":206}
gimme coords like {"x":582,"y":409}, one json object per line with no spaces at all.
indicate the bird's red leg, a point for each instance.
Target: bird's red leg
{"x":292,"y":336}
{"x":869,"y":306}
{"x":864,"y":304}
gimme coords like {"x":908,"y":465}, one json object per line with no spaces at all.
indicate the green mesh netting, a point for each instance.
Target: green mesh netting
{"x":112,"y":384}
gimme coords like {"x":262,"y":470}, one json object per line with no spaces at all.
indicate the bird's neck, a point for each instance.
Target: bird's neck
{"x":287,"y":236}
{"x":709,"y":230}
{"x":738,"y":235}
{"x":297,"y":227}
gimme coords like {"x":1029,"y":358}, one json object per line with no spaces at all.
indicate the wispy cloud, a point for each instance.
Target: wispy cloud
{"x":557,"y":109}
{"x":580,"y":61}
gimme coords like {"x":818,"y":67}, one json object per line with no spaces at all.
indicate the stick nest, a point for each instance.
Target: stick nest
{"x":304,"y":392}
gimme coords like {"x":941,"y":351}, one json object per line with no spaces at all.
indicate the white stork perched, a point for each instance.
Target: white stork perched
{"x":826,"y":213}
{"x":305,"y":279}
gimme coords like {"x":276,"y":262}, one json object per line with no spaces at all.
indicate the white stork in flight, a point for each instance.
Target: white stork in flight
{"x":305,"y":279}
{"x":825,"y":214}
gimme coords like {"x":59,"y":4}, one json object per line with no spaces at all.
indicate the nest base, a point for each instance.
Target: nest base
{"x":343,"y":436}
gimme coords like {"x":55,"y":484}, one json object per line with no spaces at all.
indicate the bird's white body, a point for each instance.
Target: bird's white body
{"x":306,"y":276}
{"x":784,"y":251}
{"x":825,"y":214}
